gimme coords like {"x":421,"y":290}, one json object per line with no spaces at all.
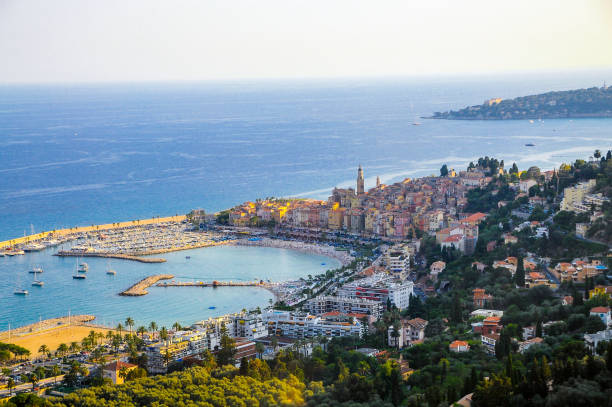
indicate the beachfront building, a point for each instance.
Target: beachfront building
{"x":380,"y":287}
{"x":298,"y":325}
{"x":397,"y":259}
{"x":348,"y":305}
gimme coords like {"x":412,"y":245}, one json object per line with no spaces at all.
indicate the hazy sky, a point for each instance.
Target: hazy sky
{"x":79,"y":40}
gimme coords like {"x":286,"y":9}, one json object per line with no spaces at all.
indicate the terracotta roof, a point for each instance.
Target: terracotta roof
{"x":453,"y":238}
{"x":600,"y":309}
{"x":478,"y":216}
{"x":458,"y":344}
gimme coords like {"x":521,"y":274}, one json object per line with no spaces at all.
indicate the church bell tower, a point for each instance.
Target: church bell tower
{"x":360,"y":183}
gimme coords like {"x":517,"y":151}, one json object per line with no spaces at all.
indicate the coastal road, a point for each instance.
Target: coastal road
{"x":28,"y":386}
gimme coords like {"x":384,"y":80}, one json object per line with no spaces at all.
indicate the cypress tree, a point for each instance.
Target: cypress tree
{"x":519,"y":275}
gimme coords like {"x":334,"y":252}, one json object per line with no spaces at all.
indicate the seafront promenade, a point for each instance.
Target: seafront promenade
{"x":86,"y":229}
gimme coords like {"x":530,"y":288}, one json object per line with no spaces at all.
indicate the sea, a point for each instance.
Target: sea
{"x":83,"y":154}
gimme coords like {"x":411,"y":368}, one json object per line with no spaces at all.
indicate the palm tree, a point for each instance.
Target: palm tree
{"x":109,"y":335}
{"x":129,"y":322}
{"x":56,"y":371}
{"x":44,"y":349}
{"x":74,"y":347}
{"x":153,"y":327}
{"x":163,"y":333}
{"x":33,"y":379}
{"x":62,"y":349}
{"x":10,"y":384}
{"x":119,"y":328}
{"x":176,"y":326}
{"x":141,"y":331}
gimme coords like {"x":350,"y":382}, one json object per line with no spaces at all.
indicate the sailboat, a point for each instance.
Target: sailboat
{"x":83,"y":268}
{"x":78,"y":276}
{"x":109,"y":270}
{"x":36,"y":270}
{"x":20,"y":291}
{"x":37,"y":282}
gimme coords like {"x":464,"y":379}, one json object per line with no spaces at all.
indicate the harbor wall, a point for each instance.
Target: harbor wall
{"x":92,"y":228}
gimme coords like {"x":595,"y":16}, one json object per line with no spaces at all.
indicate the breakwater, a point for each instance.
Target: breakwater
{"x":110,"y":256}
{"x":140,"y":288}
{"x":215,"y":284}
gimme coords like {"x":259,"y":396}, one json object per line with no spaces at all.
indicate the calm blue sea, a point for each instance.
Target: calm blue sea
{"x":87,"y":154}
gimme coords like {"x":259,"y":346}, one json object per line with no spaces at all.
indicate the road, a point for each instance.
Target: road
{"x":28,"y":386}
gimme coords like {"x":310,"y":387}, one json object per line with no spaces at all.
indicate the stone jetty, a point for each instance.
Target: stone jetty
{"x":140,"y":288}
{"x":110,"y":255}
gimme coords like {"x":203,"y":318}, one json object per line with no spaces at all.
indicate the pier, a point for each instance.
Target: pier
{"x":110,"y":256}
{"x":215,"y":284}
{"x":140,"y":288}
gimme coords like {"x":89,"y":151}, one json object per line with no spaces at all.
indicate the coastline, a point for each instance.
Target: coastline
{"x":310,"y":248}
{"x":46,"y":325}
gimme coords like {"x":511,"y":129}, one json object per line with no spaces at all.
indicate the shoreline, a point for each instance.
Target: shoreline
{"x":46,"y":325}
{"x":309,"y":248}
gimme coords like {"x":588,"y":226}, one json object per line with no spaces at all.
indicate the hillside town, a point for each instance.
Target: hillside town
{"x":468,"y":269}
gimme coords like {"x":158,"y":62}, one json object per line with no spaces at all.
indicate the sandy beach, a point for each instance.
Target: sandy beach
{"x":51,"y":332}
{"x":310,"y":248}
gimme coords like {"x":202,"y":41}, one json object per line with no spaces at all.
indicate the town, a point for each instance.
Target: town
{"x":459,"y":285}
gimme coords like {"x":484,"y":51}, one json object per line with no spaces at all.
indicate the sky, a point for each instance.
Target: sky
{"x":158,"y":40}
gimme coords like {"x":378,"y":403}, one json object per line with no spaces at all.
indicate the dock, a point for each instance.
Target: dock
{"x":214,"y":284}
{"x":110,"y":256}
{"x":140,"y":288}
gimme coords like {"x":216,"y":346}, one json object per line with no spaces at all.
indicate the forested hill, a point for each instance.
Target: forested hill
{"x":592,"y":102}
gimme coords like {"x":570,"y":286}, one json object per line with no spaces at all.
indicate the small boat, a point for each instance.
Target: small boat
{"x":322,"y":264}
{"x":34,"y":247}
{"x":529,"y":145}
{"x":36,"y":270}
{"x":212,"y":307}
{"x":111,"y":272}
{"x":416,"y":124}
{"x":21,"y":292}
{"x":187,"y":257}
{"x":79,"y":277}
{"x":38,"y":283}
{"x":83,"y":267}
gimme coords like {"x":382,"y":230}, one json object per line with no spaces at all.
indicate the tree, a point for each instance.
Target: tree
{"x":153,"y":326}
{"x":225,"y":355}
{"x":260,"y":349}
{"x":176,"y":326}
{"x":141,"y":331}
{"x":62,"y":349}
{"x":56,"y":371}
{"x":163,"y":334}
{"x":494,"y":392}
{"x":519,"y":275}
{"x":444,"y":171}
{"x":33,"y":379}
{"x":455,"y":312}
{"x":538,"y":330}
{"x":43,"y":350}
{"x":10,"y":384}
{"x":594,"y":324}
{"x":129,"y":322}
{"x":120,"y":328}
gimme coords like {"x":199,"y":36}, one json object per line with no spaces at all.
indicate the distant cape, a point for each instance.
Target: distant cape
{"x":580,"y":103}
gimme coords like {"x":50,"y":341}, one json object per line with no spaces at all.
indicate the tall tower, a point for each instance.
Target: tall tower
{"x":377,"y":182}
{"x":360,"y":183}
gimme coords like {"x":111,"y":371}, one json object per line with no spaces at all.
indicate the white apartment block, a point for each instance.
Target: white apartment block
{"x":302,"y":325}
{"x":346,"y":305}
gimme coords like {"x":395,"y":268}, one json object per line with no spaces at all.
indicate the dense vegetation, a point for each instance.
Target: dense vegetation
{"x":591,"y":102}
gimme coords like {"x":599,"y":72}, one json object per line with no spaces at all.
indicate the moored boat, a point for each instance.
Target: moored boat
{"x":21,"y":292}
